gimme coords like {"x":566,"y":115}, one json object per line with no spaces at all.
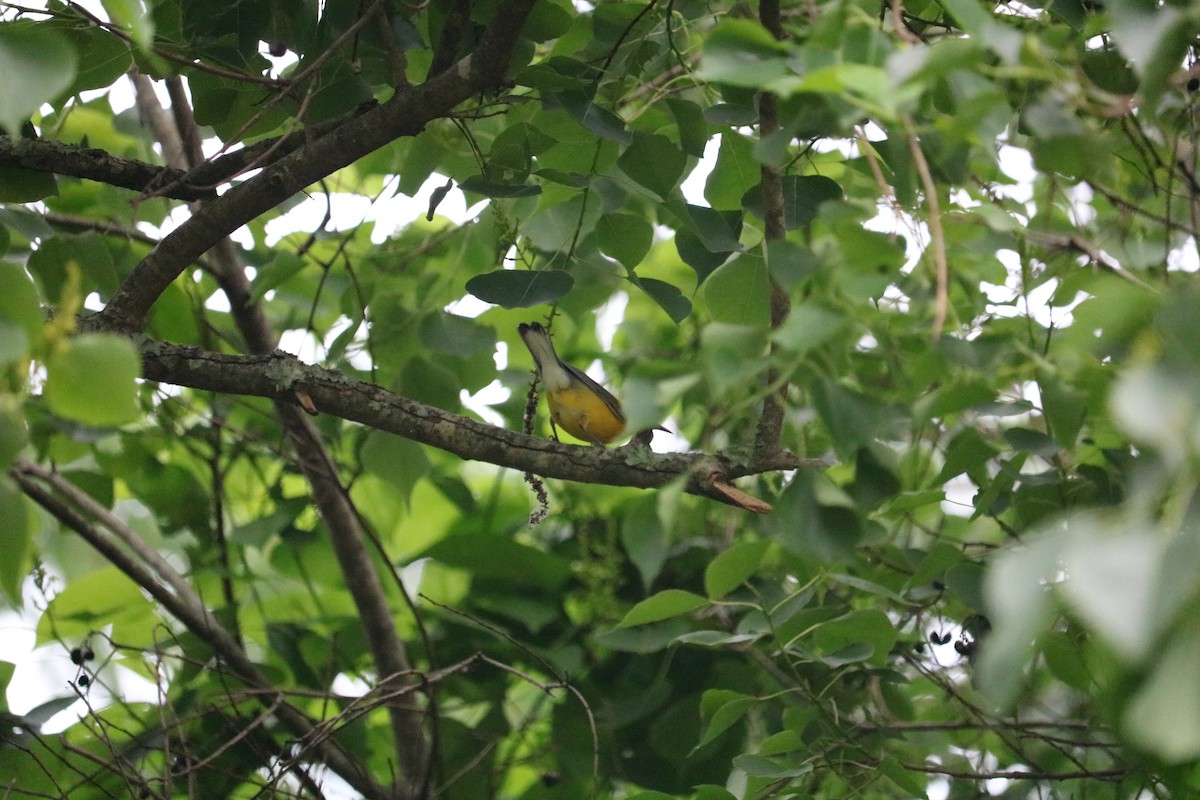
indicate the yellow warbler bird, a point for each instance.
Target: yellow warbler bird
{"x":582,"y":407}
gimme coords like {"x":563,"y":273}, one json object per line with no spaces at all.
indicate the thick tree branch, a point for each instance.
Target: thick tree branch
{"x":362,"y":580}
{"x":76,"y":510}
{"x":329,"y":496}
{"x":282,"y":376}
{"x":770,"y":425}
{"x":406,"y":114}
{"x":266,"y":151}
{"x":97,"y":165}
{"x":161,"y":123}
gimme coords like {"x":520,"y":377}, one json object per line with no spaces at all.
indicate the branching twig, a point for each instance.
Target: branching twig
{"x":405,"y":114}
{"x":123,"y":548}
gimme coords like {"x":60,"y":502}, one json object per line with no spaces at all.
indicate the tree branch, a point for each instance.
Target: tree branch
{"x":405,"y":114}
{"x":941,"y":266}
{"x":1019,"y":775}
{"x":97,"y":165}
{"x":282,"y":377}
{"x":770,"y":424}
{"x":75,"y":509}
{"x":329,"y":496}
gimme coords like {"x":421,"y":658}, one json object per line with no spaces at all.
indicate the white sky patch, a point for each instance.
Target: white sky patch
{"x":349,"y":685}
{"x":43,"y":673}
{"x":1081,"y":211}
{"x":493,"y":394}
{"x":1185,"y":258}
{"x":346,"y":212}
{"x":693,"y":185}
{"x":303,"y":344}
{"x":1013,"y":300}
{"x":468,"y":306}
{"x":609,"y":317}
{"x":1017,"y":164}
{"x":890,"y":218}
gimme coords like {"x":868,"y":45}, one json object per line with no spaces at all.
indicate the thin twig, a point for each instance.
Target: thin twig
{"x":941,"y":297}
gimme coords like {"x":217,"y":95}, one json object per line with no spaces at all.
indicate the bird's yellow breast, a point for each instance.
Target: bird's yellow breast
{"x":584,"y":415}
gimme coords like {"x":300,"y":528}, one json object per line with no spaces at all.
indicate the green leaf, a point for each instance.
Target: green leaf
{"x":1065,"y":408}
{"x":851,"y":417}
{"x":1154,"y":39}
{"x":14,"y":435}
{"x":913,"y":784}
{"x":742,"y":53}
{"x":102,"y":597}
{"x":953,"y":397}
{"x":718,"y":231}
{"x":38,"y":65}
{"x":283,"y":266}
{"x":739,"y":292}
{"x":668,"y":297}
{"x":815,"y":529}
{"x":50,"y":263}
{"x":6,"y":673}
{"x":16,"y":538}
{"x":693,"y":130}
{"x":19,"y":303}
{"x":721,"y":709}
{"x":513,"y":288}
{"x":599,"y":121}
{"x":625,"y":237}
{"x":1064,"y":659}
{"x":732,"y":354}
{"x":93,"y":380}
{"x":1019,"y":605}
{"x":732,"y":568}
{"x":132,"y":16}
{"x":664,"y":605}
{"x":452,"y":335}
{"x":399,"y":461}
{"x":108,"y":56}
{"x":735,"y":173}
{"x":655,"y":162}
{"x":966,"y":580}
{"x":874,"y":482}
{"x":1112,"y":576}
{"x":763,"y":767}
{"x":808,"y":326}
{"x":709,"y":792}
{"x":1161,"y":715}
{"x":870,"y":627}
{"x":802,"y":198}
{"x":546,"y":21}
{"x":970,"y":16}
{"x":966,"y":452}
{"x":791,"y":263}
{"x":502,"y":561}
{"x":482,"y":186}
{"x":697,"y":256}
{"x":645,"y":540}
{"x":26,"y":185}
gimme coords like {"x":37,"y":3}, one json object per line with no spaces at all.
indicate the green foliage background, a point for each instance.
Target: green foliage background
{"x":996,"y":576}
